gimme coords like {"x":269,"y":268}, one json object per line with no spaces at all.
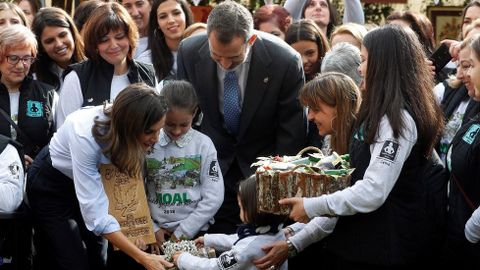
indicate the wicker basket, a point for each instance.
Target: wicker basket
{"x":300,"y":181}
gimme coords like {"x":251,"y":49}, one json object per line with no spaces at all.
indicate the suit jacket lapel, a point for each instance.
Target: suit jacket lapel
{"x":257,"y":83}
{"x":207,"y":67}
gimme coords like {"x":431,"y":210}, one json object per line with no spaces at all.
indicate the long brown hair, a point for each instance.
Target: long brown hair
{"x":54,"y":17}
{"x":339,"y":91}
{"x":397,"y":79}
{"x":134,"y":111}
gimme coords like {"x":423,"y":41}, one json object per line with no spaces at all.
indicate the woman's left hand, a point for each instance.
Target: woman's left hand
{"x":298,"y":211}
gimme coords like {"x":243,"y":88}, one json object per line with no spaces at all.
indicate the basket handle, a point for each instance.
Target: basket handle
{"x":309,"y":148}
{"x":304,"y":166}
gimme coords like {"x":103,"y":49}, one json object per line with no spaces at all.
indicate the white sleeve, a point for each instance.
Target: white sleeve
{"x":239,"y":257}
{"x":211,"y":181}
{"x":368,"y":194}
{"x":295,"y":7}
{"x":472,"y":228}
{"x":88,"y":185}
{"x":220,"y":242}
{"x":71,"y":98}
{"x":353,"y":12}
{"x":439,"y":91}
{"x":315,"y":230}
{"x":11,"y":179}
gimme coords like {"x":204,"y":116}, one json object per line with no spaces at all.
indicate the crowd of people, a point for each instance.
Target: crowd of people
{"x":187,"y":107}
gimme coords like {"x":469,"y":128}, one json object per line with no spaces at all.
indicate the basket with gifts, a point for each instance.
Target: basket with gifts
{"x":297,"y":176}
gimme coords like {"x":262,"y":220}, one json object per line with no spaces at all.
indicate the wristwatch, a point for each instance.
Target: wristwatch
{"x":292,"y":250}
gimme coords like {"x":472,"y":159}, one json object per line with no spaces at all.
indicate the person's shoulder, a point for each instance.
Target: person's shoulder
{"x":194,"y":42}
{"x":274,"y":44}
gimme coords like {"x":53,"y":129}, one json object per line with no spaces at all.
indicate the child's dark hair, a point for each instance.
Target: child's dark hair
{"x":247,"y":191}
{"x":181,"y":95}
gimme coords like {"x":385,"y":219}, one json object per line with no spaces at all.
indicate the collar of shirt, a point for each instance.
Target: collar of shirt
{"x":182,"y":142}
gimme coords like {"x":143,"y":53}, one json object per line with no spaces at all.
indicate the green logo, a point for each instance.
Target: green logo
{"x":470,"y":135}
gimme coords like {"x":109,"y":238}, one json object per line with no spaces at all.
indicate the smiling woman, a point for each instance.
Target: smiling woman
{"x":59,"y":44}
{"x":168,"y":20}
{"x":27,"y":102}
{"x":65,"y":176}
{"x":110,"y":37}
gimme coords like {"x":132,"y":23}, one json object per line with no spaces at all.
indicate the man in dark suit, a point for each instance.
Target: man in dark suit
{"x":248,"y":84}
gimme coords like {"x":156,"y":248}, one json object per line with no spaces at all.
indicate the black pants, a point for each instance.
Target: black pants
{"x":228,"y":216}
{"x":61,"y":237}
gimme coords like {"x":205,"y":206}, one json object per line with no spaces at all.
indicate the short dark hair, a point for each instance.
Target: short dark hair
{"x":108,"y":17}
{"x":230,"y":19}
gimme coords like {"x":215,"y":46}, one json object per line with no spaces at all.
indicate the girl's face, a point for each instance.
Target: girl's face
{"x":12,"y":73}
{"x":27,"y":9}
{"x":8,"y":17}
{"x":243,"y":217}
{"x":177,"y":123}
{"x":309,"y":52}
{"x":323,"y":117}
{"x":317,"y":10}
{"x":474,"y":73}
{"x":462,"y":70}
{"x":272,"y":28}
{"x":114,"y":46}
{"x":150,"y":136}
{"x":58,"y":44}
{"x":471,"y":15}
{"x":171,"y":19}
{"x":362,"y":69}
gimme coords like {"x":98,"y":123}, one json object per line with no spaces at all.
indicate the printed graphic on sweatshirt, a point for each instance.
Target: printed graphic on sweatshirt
{"x":34,"y":108}
{"x":389,"y":150}
{"x":470,"y":135}
{"x":227,"y":260}
{"x":170,"y":174}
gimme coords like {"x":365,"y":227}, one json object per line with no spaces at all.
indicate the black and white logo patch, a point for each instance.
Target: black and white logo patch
{"x":213,"y":171}
{"x":389,"y":150}
{"x":14,"y":169}
{"x":227,"y":260}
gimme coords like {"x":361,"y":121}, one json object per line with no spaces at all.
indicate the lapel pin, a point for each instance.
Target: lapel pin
{"x":265,"y":80}
{"x":90,"y":100}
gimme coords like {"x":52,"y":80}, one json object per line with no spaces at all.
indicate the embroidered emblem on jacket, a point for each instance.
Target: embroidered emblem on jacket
{"x":470,"y":135}
{"x":34,"y":108}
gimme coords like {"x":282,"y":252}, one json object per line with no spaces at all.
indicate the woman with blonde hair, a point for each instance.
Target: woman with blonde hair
{"x":26,"y":105}
{"x":350,"y":32}
{"x":12,"y":14}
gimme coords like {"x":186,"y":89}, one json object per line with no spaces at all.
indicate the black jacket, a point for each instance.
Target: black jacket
{"x":35,"y":115}
{"x":96,"y":78}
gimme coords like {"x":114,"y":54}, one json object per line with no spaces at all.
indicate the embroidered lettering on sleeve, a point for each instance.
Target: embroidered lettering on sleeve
{"x":389,"y":150}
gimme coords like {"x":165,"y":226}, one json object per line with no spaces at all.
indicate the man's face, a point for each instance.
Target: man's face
{"x":230,"y":55}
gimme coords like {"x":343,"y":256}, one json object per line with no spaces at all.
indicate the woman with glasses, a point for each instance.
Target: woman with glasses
{"x":25,"y":104}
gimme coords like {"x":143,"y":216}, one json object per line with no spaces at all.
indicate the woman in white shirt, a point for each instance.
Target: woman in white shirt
{"x":65,"y":190}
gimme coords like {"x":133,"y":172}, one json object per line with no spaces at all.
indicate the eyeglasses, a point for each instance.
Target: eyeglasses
{"x":14,"y":59}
